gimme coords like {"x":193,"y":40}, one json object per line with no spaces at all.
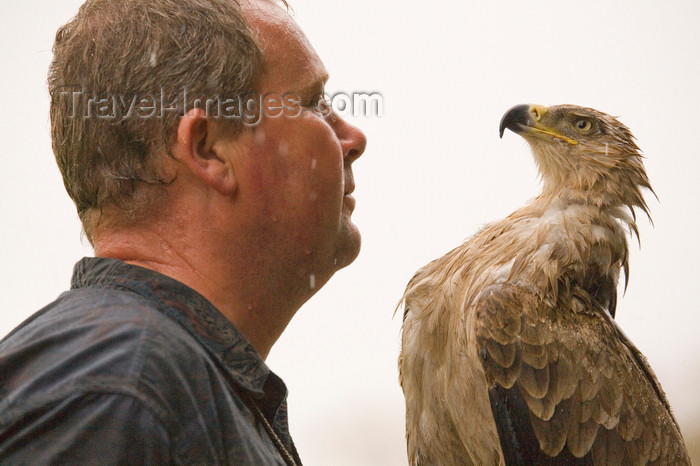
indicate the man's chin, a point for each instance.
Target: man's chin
{"x":348,"y":247}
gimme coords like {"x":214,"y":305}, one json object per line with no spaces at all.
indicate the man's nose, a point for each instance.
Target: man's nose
{"x":353,"y":141}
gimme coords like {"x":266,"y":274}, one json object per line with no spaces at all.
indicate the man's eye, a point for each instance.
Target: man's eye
{"x":320,"y":104}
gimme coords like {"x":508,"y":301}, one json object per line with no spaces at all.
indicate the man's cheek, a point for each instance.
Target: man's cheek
{"x":291,"y":104}
{"x":252,"y":109}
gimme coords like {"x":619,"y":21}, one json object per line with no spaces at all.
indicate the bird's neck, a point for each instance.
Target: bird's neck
{"x":565,"y":236}
{"x":562,"y":191}
{"x":587,"y":208}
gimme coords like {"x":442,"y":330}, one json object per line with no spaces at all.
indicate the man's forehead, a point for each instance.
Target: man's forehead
{"x":271,"y":22}
{"x":284,"y":44}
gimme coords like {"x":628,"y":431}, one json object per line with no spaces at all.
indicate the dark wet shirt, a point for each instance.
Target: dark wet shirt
{"x":133,"y":367}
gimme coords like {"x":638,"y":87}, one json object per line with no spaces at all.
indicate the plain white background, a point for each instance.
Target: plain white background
{"x":434,"y":171}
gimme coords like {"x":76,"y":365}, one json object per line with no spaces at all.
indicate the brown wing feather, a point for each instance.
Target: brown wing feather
{"x":586,"y":387}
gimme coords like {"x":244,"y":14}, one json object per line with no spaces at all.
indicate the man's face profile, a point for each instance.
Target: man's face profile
{"x":298,"y":169}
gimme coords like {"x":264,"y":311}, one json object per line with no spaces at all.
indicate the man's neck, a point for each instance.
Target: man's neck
{"x":260,"y":302}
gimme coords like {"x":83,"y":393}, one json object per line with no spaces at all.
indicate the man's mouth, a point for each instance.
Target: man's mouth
{"x":349,"y":202}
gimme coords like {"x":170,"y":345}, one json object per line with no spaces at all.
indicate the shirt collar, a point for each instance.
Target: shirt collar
{"x":184,"y":305}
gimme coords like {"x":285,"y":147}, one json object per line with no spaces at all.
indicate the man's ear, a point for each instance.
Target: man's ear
{"x":199,"y":149}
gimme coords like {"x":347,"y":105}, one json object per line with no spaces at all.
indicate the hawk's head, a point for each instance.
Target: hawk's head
{"x":582,"y":153}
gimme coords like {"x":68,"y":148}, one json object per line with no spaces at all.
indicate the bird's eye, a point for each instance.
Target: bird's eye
{"x":583,"y":124}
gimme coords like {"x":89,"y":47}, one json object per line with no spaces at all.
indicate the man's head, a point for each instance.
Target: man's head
{"x":281,"y":185}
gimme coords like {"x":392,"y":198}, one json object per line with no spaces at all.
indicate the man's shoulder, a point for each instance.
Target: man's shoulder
{"x":100,"y":340}
{"x":100,"y":353}
{"x":98,"y":320}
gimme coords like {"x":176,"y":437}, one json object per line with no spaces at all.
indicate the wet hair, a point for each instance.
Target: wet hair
{"x":112,"y":63}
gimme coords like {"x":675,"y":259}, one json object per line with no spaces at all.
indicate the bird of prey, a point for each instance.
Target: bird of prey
{"x":510,"y":354}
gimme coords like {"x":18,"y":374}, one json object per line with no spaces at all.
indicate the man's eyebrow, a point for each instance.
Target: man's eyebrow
{"x":324,"y":77}
{"x":317,"y":85}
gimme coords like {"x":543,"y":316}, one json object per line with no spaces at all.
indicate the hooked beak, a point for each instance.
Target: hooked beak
{"x":525,"y":120}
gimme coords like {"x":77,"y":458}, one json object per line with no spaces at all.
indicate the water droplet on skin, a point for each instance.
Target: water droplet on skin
{"x":335,"y":261}
{"x":259,"y":136}
{"x":312,"y":281}
{"x":313,"y":195}
{"x":283,"y":148}
{"x":274,"y":219}
{"x":307,"y":251}
{"x":313,"y":164}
